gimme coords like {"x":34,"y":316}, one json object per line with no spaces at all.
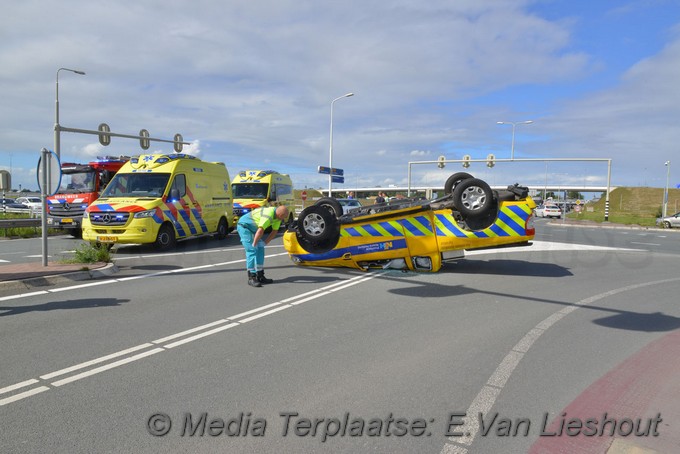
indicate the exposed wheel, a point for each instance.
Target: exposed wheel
{"x":453,"y":180}
{"x":166,"y":237}
{"x":666,"y":224}
{"x":330,"y":204}
{"x":473,"y":197}
{"x":318,"y":247}
{"x":317,"y":224}
{"x":222,"y":229}
{"x":76,"y":233}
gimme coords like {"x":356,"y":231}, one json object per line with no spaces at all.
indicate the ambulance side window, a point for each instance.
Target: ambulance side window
{"x":179,"y":187}
{"x":272,"y":194}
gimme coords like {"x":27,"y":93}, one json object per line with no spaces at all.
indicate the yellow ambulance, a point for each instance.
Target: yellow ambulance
{"x":162,"y":198}
{"x":257,"y":188}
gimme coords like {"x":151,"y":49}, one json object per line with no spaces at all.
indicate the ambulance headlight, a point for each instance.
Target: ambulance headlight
{"x":145,"y":214}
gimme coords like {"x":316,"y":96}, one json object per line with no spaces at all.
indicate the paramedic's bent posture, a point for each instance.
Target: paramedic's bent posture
{"x":251,"y":228}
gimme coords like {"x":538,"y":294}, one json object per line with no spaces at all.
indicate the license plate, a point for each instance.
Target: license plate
{"x":107,"y":239}
{"x":67,"y":221}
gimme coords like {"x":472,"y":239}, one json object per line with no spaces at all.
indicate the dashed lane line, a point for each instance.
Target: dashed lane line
{"x":151,"y":348}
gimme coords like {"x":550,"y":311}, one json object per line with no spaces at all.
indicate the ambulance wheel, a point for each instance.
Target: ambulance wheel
{"x":330,"y":204}
{"x":166,"y":237}
{"x":472,"y":197}
{"x":317,"y":224}
{"x":222,"y":229}
{"x":453,"y":180}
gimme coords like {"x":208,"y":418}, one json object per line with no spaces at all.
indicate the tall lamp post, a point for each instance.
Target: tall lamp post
{"x":57,"y":128}
{"x":665,"y":192}
{"x":514,"y":124}
{"x":330,"y":153}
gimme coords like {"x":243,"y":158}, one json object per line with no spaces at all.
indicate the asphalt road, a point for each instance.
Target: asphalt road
{"x":297,"y":366}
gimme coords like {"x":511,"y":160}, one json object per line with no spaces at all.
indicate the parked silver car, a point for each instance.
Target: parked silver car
{"x":669,"y":221}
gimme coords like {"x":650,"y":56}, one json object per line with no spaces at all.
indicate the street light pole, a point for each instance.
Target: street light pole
{"x":330,"y":153}
{"x":665,"y":192}
{"x":57,"y":128}
{"x":514,"y":124}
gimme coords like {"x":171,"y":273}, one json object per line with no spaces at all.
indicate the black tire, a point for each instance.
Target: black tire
{"x":317,"y":224}
{"x":453,"y":181}
{"x":166,"y":237}
{"x":320,"y":247}
{"x":330,"y":204}
{"x":76,"y":233}
{"x":666,"y":224}
{"x":222,"y":229}
{"x":473,"y":197}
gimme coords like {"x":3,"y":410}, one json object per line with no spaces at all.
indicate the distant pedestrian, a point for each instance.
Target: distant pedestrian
{"x":380,"y":198}
{"x":251,"y":228}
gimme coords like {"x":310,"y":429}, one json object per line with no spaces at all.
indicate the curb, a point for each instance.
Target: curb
{"x":64,"y":278}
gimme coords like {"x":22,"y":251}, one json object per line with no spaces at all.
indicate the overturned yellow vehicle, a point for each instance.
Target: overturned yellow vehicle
{"x":412,"y":234}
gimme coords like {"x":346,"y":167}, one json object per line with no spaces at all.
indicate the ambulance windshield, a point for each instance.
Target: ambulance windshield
{"x":137,"y":185}
{"x":250,"y":190}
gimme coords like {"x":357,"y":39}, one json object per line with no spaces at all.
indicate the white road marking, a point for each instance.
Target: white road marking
{"x":202,"y":331}
{"x":106,"y":367}
{"x":487,"y":396}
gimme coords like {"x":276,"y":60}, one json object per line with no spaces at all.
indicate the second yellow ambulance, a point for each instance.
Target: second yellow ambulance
{"x":257,"y":188}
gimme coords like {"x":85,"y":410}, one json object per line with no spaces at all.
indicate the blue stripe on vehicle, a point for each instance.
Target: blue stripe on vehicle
{"x":495,"y":228}
{"x":424,"y":221}
{"x":178,"y":226}
{"x":410,"y":227}
{"x":371,"y":230}
{"x":391,"y":229}
{"x":511,"y":223}
{"x":355,"y":250}
{"x":200,"y":220}
{"x":351,"y":231}
{"x":105,"y":207}
{"x":447,"y":222}
{"x":187,"y":219}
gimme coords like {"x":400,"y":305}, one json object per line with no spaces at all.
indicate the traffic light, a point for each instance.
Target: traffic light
{"x":144,"y":139}
{"x":104,"y":138}
{"x":490,"y":160}
{"x":466,"y":161}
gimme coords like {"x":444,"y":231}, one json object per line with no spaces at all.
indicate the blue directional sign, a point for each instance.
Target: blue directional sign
{"x":333,"y":171}
{"x":336,"y":179}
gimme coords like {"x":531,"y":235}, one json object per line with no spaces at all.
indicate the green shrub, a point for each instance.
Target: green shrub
{"x":91,"y":253}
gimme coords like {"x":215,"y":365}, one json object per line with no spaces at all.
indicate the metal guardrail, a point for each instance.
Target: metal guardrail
{"x":26,"y":222}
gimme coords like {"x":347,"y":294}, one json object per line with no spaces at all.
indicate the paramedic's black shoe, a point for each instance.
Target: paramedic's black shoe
{"x":263,"y":280}
{"x":252,"y":280}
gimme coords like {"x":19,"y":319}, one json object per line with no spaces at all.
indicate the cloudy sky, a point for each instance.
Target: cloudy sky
{"x":250,"y":83}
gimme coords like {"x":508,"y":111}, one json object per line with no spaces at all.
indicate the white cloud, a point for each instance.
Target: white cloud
{"x":252,"y":83}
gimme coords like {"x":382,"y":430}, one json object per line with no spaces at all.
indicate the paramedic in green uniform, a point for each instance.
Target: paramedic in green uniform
{"x":251,"y":228}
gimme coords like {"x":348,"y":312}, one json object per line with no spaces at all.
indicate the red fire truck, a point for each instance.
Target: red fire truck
{"x":80,"y":185}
